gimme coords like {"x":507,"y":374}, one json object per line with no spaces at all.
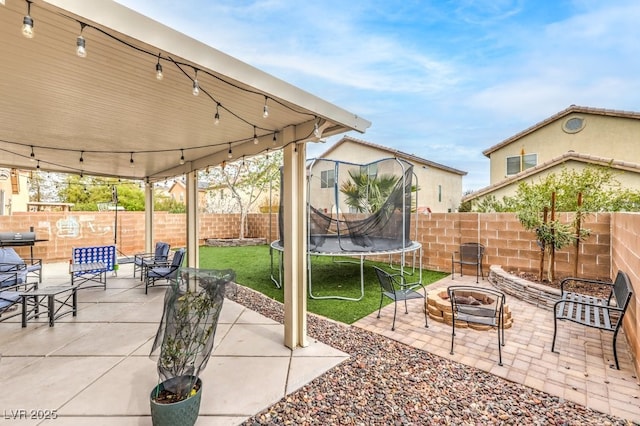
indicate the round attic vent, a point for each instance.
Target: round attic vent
{"x":573,"y":124}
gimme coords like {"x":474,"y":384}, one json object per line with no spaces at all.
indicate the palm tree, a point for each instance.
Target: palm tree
{"x":367,"y":194}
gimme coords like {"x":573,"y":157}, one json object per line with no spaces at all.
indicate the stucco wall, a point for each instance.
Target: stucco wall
{"x":440,"y":190}
{"x":602,"y":136}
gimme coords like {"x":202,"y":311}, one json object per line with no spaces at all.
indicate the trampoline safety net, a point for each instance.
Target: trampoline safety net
{"x":357,"y":207}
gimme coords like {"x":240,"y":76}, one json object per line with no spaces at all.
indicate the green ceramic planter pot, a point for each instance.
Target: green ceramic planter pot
{"x":182,"y":413}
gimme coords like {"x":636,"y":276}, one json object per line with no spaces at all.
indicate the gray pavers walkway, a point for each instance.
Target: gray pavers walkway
{"x":579,"y":373}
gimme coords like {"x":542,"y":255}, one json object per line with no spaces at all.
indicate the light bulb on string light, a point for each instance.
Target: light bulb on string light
{"x":27,"y":22}
{"x":181,"y":156}
{"x":38,"y":165}
{"x":81,"y":157}
{"x":275,"y":138}
{"x":131,"y":163}
{"x":216,"y":118}
{"x":265,"y":109}
{"x":230,"y":154}
{"x":196,"y":85}
{"x":81,"y":49}
{"x":255,"y":136}
{"x":32,"y":157}
{"x":159,"y":74}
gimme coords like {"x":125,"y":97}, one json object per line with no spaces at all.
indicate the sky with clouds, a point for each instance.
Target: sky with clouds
{"x":441,"y":79}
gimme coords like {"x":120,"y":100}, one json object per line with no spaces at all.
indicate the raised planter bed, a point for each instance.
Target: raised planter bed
{"x":234,"y":242}
{"x":537,"y":294}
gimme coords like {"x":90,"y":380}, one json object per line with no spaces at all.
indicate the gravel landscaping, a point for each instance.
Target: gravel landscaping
{"x":385,"y":382}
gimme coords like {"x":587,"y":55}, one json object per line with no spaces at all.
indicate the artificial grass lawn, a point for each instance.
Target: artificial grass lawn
{"x":252,"y":266}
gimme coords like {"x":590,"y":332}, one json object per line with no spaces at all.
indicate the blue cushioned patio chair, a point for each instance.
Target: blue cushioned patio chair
{"x":13,"y":282}
{"x":159,"y":257}
{"x":395,"y":288}
{"x":167,"y":271}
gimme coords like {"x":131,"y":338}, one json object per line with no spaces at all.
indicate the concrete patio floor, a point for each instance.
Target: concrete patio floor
{"x":94,"y":368}
{"x":580,"y":372}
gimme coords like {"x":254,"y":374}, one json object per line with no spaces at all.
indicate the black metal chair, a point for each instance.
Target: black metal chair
{"x":478,"y":305}
{"x":468,"y":254}
{"x":141,"y":261}
{"x":167,"y":271}
{"x":395,"y":288}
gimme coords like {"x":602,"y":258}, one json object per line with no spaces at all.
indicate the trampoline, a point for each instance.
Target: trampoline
{"x":355,"y":211}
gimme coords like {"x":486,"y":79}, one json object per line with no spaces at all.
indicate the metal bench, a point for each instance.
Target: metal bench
{"x":601,"y":313}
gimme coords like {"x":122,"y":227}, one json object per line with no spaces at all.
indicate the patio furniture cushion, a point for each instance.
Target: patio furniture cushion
{"x":166,"y":271}
{"x":13,"y":270}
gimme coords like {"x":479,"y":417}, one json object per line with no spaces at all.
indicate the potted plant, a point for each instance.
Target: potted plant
{"x":184,"y":342}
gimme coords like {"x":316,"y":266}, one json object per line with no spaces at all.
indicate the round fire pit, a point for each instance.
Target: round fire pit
{"x":439,"y":309}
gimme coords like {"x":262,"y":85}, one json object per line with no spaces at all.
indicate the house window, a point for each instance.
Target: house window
{"x":327,"y":178}
{"x":370,"y":170}
{"x":573,"y":124}
{"x":519,"y":163}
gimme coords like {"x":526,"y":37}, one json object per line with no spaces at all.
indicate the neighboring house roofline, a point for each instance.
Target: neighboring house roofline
{"x":572,"y":109}
{"x":568,"y":156}
{"x":395,"y":153}
{"x":202,"y":186}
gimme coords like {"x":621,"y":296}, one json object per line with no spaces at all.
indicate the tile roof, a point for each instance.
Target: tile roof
{"x":394,"y":152}
{"x":568,"y":156}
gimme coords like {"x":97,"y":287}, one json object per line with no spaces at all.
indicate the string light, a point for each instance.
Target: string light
{"x":27,"y":22}
{"x":159,"y":69}
{"x":28,"y":25}
{"x":196,"y":86}
{"x":38,"y":165}
{"x":230,"y":154}
{"x":81,"y":50}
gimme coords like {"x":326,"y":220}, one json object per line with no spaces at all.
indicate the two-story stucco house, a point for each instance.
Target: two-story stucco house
{"x":575,"y":138}
{"x":440,"y":187}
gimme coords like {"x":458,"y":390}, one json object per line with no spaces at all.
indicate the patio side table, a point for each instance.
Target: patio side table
{"x":47,"y":297}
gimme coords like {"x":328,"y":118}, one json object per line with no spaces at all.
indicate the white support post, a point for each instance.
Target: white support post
{"x":193,"y":251}
{"x":148,"y":217}
{"x":295,"y":243}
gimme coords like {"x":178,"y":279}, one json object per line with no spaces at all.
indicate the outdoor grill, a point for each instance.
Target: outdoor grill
{"x":13,"y":239}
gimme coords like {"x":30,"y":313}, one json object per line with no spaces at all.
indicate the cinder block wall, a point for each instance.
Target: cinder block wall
{"x":625,"y":254}
{"x":612,"y":245}
{"x":507,"y":243}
